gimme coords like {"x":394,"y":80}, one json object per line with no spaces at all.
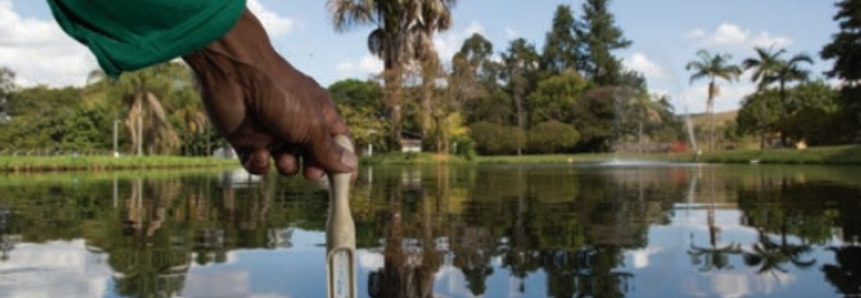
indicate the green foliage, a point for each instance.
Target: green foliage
{"x":360,"y":105}
{"x":552,"y":137}
{"x":601,"y":36}
{"x":355,"y":93}
{"x":759,"y":112}
{"x":814,"y":114}
{"x":473,"y":67}
{"x":562,"y":50}
{"x":594,"y":118}
{"x":7,"y":87}
{"x":81,"y":119}
{"x":845,"y":46}
{"x":845,"y":49}
{"x":555,"y":98}
{"x":493,"y":138}
{"x":55,"y":119}
{"x":496,"y":107}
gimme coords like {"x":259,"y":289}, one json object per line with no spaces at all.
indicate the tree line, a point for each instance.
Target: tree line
{"x":572,"y":95}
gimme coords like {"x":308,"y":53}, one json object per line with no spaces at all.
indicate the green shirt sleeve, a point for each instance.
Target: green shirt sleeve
{"x":128,"y":35}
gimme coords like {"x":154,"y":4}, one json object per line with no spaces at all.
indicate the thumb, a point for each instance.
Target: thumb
{"x":333,"y":157}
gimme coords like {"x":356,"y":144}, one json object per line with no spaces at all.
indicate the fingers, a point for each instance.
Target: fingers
{"x":255,"y":161}
{"x":286,"y":163}
{"x":313,"y":172}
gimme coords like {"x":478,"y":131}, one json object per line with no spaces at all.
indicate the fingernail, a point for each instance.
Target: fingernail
{"x":349,"y":160}
{"x":260,"y":163}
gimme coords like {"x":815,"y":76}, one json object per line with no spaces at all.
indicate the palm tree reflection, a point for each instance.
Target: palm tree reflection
{"x":770,"y":256}
{"x":712,"y":257}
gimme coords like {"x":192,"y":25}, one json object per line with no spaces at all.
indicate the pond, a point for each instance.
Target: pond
{"x":615,"y":230}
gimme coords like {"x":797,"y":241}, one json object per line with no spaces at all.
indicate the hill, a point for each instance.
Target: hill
{"x":720,"y":118}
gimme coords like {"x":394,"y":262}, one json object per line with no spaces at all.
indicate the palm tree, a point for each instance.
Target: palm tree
{"x":435,"y":16}
{"x":393,"y":40}
{"x":142,"y":92}
{"x":712,"y":67}
{"x":768,"y":68}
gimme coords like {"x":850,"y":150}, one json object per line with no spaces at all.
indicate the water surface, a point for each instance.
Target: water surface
{"x":635,"y":230}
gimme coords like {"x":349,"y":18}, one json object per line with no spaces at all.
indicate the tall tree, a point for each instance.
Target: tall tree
{"x":393,"y":41}
{"x":845,"y":49}
{"x":474,"y":82}
{"x":601,"y":36}
{"x":712,"y":67}
{"x":521,"y":62}
{"x":7,"y":86}
{"x":845,"y":46}
{"x":434,"y":16}
{"x":769,"y":67}
{"x":473,"y":63}
{"x":562,"y":49}
{"x":144,"y":92}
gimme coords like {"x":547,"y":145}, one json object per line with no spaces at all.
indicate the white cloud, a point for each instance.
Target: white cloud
{"x":54,"y":269}
{"x":367,"y":65}
{"x":732,"y":36}
{"x":275,"y":24}
{"x":764,"y":39}
{"x":642,"y":64}
{"x":39,"y":52}
{"x":728,"y":34}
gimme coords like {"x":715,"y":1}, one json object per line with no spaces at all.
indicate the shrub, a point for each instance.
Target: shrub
{"x":552,"y":137}
{"x":493,"y":138}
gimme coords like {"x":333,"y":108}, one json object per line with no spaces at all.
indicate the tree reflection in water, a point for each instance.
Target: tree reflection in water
{"x":846,"y":274}
{"x":713,"y":257}
{"x":554,"y":231}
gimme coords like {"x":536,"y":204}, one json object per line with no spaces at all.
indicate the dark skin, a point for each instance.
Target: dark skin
{"x":266,"y":109}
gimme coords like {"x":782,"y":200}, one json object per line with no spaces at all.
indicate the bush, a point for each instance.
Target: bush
{"x":464,"y":146}
{"x":493,"y":138}
{"x":552,"y":137}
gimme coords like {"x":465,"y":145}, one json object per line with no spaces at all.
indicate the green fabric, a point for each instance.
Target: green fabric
{"x":127,"y":35}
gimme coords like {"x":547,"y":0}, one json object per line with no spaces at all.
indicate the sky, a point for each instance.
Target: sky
{"x":666,"y":35}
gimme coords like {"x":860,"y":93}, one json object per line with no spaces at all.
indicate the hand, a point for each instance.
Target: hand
{"x":261,"y":119}
{"x":264,"y":107}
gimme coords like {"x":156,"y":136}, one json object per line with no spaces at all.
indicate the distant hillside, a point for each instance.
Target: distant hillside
{"x":719,"y":118}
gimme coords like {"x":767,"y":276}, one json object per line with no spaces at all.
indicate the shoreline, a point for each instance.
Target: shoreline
{"x":835,"y":155}
{"x":46,"y":164}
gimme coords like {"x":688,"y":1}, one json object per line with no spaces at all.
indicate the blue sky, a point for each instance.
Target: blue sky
{"x":665,"y":33}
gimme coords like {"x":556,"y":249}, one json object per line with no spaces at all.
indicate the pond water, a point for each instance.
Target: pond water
{"x":622,"y":230}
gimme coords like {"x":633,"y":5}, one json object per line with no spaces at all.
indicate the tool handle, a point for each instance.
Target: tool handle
{"x":340,"y":233}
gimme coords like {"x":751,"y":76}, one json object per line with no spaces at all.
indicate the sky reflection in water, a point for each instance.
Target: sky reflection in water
{"x":486,"y":231}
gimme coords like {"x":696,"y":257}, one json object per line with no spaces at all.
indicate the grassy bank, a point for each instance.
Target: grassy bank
{"x":26,"y":164}
{"x":837,"y":155}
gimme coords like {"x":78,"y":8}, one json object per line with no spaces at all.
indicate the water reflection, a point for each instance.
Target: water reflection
{"x":493,"y":231}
